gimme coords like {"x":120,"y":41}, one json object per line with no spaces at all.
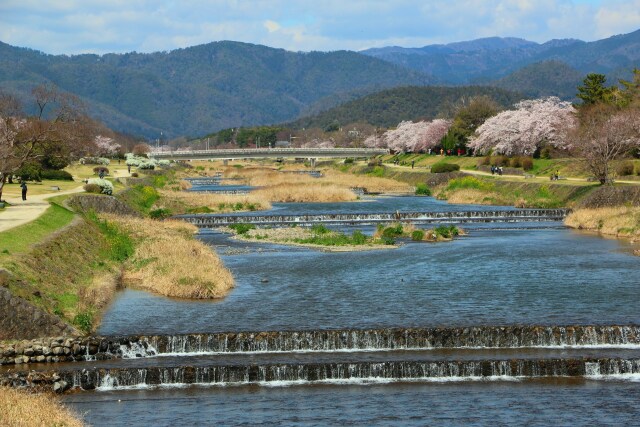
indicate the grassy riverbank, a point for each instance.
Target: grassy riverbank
{"x":71,"y":264}
{"x":22,"y":409}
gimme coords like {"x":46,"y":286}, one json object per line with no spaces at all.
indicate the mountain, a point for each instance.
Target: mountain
{"x":484,"y":60}
{"x":203,"y":88}
{"x":389,"y":107}
{"x":543,"y":79}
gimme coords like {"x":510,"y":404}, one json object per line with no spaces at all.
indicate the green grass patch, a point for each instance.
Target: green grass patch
{"x":469,"y":182}
{"x":121,"y":246}
{"x":20,"y":239}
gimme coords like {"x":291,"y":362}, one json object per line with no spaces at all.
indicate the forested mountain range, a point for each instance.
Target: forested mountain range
{"x":391,"y":106}
{"x":202,"y":89}
{"x":489,"y":59}
{"x":196,"y":90}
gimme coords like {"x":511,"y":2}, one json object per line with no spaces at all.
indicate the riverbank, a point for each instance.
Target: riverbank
{"x":20,"y":408}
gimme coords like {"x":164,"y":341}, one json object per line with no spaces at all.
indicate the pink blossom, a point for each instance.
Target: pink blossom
{"x":525,"y":129}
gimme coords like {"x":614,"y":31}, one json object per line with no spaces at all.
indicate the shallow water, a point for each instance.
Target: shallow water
{"x":537,"y":403}
{"x":500,"y":274}
{"x":488,"y":278}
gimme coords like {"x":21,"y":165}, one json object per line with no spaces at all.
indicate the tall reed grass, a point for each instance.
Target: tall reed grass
{"x":185,"y":201}
{"x":169,"y":261}
{"x":305,"y":192}
{"x":619,"y":221}
{"x":22,"y":409}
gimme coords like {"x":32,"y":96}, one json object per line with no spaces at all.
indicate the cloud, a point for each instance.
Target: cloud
{"x":76,"y":26}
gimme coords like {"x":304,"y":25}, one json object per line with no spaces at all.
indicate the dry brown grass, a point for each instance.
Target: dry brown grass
{"x":614,"y":221}
{"x":472,"y":196}
{"x":170,"y":262}
{"x":185,"y":185}
{"x":305,"y":192}
{"x":371,"y":183}
{"x":215,"y":202}
{"x":21,"y":409}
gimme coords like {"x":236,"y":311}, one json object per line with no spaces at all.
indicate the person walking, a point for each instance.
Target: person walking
{"x":23,"y":185}
{"x":413,"y":162}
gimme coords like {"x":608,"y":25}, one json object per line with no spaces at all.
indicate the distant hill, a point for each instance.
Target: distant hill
{"x":543,"y":79}
{"x":484,"y":60}
{"x":389,"y":107}
{"x":203,"y":88}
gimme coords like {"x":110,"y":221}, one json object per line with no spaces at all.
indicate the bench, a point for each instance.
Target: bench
{"x":55,"y":188}
{"x":529,"y":175}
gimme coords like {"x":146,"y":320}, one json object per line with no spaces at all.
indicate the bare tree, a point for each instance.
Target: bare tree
{"x":59,"y":128}
{"x":605,"y":134}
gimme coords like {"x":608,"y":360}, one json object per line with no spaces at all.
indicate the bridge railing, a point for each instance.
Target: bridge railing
{"x":275,"y":152}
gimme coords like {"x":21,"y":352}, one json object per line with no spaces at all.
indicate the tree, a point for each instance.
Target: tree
{"x":468,"y":117}
{"x":411,"y":137}
{"x":59,"y":128}
{"x":593,"y":89}
{"x":606,"y":133}
{"x":527,"y":128}
{"x":141,"y":149}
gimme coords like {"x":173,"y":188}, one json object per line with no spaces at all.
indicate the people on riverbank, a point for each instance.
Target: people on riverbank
{"x":23,"y":186}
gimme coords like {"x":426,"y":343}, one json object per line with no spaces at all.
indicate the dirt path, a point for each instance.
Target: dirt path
{"x":21,"y":212}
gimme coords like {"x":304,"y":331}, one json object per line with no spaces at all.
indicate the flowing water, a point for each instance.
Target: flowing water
{"x":513,"y":324}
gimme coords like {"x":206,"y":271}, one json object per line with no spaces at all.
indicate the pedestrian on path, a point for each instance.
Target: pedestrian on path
{"x":23,"y":185}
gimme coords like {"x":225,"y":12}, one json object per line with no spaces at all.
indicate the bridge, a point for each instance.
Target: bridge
{"x":520,"y":215}
{"x":270,"y":153}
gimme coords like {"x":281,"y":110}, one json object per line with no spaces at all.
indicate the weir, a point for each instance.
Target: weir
{"x":89,"y":379}
{"x":520,"y":215}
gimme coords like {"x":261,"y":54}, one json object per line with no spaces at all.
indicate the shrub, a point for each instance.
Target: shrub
{"x":417,"y":235}
{"x":447,"y":231}
{"x":84,"y":321}
{"x":147,"y":166}
{"x":500,"y":161}
{"x":422,"y":190}
{"x":349,"y":160}
{"x":527,"y":163}
{"x":515,"y":162}
{"x":392,"y":231}
{"x":443,"y":167}
{"x":135,"y":175}
{"x":59,"y":175}
{"x":102,"y":169}
{"x":358,"y":238}
{"x":242,"y":228}
{"x":319,"y":229}
{"x":106,"y":186}
{"x":92,"y":188}
{"x":160,"y":213}
{"x":625,"y":168}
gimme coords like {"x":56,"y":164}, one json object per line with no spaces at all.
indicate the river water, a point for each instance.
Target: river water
{"x":509,"y":274}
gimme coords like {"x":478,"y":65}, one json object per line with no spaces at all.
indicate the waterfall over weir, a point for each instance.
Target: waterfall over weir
{"x":379,"y":339}
{"x":89,"y":379}
{"x":521,"y":215}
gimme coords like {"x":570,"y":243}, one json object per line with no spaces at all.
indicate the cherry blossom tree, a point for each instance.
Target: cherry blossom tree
{"x":524,"y":130}
{"x":410,"y":136}
{"x":107,"y":146}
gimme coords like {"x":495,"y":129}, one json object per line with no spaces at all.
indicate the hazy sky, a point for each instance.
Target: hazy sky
{"x":82,"y":26}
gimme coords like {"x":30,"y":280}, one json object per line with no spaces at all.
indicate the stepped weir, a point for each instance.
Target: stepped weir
{"x":393,"y":354}
{"x":520,"y":215}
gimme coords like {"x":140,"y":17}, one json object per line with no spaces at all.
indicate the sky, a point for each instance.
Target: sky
{"x":91,"y":26}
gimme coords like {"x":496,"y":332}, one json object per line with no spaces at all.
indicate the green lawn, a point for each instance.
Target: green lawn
{"x":19,"y":239}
